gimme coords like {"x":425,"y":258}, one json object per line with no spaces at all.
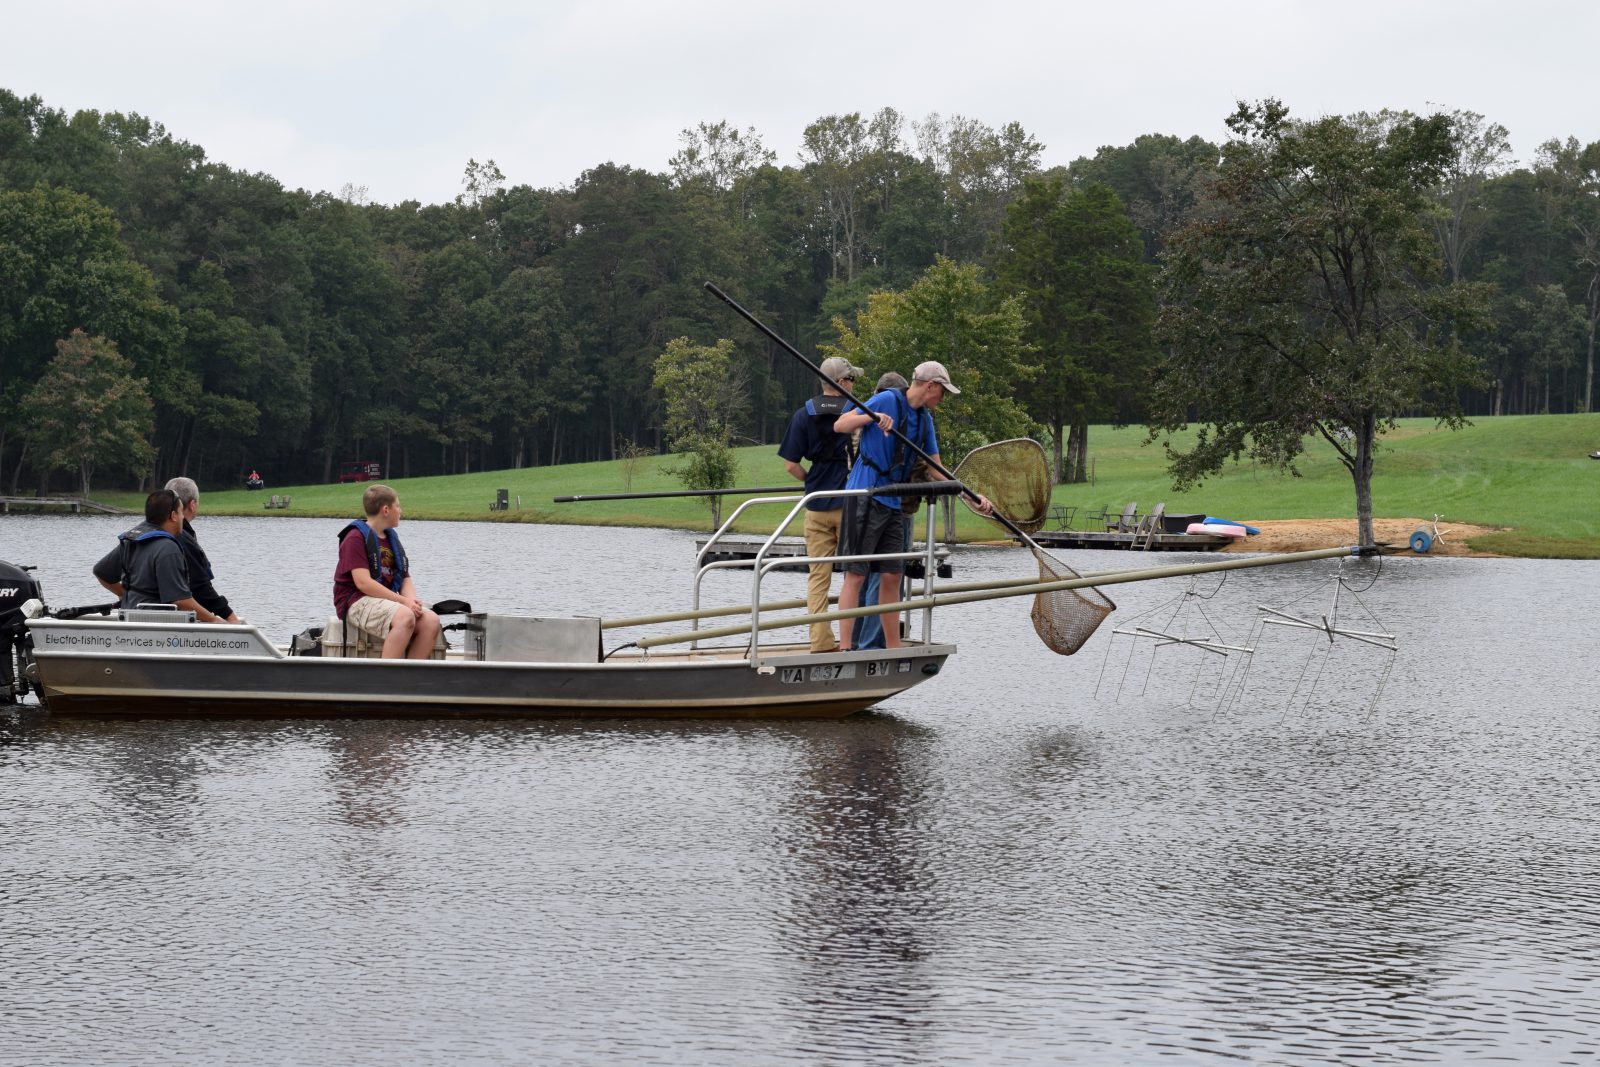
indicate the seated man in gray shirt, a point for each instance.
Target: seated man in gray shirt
{"x":148,"y":565}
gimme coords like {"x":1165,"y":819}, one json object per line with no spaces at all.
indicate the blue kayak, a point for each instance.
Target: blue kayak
{"x":1212,"y":520}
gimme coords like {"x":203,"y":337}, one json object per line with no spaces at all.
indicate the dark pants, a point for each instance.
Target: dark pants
{"x":869,"y":528}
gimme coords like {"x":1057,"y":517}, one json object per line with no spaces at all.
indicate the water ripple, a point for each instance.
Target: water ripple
{"x":1016,"y":864}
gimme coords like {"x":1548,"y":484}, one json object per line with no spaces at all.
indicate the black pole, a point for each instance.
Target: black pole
{"x":679,"y":492}
{"x":714,"y":290}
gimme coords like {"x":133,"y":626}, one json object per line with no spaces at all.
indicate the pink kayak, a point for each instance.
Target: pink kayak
{"x":1221,"y":528}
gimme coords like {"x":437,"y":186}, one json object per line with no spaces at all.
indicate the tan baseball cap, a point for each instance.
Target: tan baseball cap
{"x":933,"y":371}
{"x":837,"y":367}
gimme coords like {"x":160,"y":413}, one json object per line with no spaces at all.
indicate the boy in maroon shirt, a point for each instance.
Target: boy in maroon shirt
{"x":372,"y":586}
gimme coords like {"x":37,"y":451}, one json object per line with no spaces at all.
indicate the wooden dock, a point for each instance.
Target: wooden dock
{"x":730,"y":549}
{"x":74,"y":504}
{"x":1138,"y":542}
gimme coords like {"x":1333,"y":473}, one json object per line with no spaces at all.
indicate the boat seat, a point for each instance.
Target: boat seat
{"x":362,"y":644}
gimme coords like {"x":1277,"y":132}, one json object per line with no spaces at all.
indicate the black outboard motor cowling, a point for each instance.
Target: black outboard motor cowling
{"x":17,"y":587}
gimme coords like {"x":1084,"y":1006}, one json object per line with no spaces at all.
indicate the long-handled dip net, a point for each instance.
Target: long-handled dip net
{"x":1015,"y":476}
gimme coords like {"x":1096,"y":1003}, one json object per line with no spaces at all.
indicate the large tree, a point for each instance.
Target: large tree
{"x":1159,"y":177}
{"x":1074,"y":259}
{"x":1306,"y":300}
{"x":63,"y":267}
{"x":983,"y":170}
{"x":1570,"y":175}
{"x":89,"y":410}
{"x":1483,"y":152}
{"x":952,"y":316}
{"x":705,"y":394}
{"x":835,"y":158}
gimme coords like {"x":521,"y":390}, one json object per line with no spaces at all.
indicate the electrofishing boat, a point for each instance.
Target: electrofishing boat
{"x":158,"y":660}
{"x":138,"y":667}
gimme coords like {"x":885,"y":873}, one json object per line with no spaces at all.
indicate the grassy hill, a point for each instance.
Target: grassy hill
{"x":1530,"y":475}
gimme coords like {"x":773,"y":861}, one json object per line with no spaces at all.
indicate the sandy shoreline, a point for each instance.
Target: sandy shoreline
{"x":1299,"y":535}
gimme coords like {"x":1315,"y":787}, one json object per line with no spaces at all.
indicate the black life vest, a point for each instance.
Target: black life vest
{"x":140,"y":533}
{"x":197,"y":555}
{"x":129,"y":540}
{"x":824,"y":409}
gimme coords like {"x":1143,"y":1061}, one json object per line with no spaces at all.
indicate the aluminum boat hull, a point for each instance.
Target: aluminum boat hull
{"x":112,"y":668}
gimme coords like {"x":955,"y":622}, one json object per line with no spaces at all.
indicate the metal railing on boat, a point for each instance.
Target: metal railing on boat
{"x":766,"y":561}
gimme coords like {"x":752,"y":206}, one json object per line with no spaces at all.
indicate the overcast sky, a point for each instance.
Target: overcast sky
{"x":397,"y":96}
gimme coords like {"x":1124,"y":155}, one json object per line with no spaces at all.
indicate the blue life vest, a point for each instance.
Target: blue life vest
{"x":129,"y":539}
{"x":146,"y":536}
{"x":374,"y":557}
{"x":907,"y":420}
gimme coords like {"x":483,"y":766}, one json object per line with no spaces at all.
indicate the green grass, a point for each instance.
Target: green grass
{"x":1528,"y":474}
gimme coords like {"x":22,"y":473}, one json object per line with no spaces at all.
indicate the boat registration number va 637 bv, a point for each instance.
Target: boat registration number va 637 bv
{"x":834,"y":672}
{"x":829,"y":672}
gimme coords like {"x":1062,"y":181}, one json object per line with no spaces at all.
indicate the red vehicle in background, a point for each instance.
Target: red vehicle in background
{"x":360,"y":470}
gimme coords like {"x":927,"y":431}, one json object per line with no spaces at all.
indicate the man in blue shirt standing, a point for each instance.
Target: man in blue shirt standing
{"x":811,"y":437}
{"x":868,"y":630}
{"x":871,"y":525}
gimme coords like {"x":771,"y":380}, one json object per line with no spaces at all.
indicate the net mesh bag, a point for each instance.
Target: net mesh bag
{"x":1066,"y":618}
{"x":1015,"y":476}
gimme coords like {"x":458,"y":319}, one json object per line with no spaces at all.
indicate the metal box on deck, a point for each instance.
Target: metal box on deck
{"x":523,"y":639}
{"x":160,"y":613}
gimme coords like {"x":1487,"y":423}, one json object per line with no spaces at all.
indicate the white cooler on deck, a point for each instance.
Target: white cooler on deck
{"x":362,"y":644}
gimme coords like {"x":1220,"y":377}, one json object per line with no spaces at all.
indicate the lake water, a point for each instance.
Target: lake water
{"x":1131,"y":855}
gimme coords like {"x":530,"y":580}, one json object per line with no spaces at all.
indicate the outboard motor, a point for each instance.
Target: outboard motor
{"x":17,"y":587}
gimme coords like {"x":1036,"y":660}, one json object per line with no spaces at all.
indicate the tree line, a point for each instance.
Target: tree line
{"x":211,"y":321}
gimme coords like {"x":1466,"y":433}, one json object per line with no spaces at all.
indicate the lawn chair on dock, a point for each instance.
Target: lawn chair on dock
{"x":1128,"y":523}
{"x":1154,"y":523}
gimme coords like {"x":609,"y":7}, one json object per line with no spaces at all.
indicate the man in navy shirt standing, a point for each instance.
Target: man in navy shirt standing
{"x":811,"y":437}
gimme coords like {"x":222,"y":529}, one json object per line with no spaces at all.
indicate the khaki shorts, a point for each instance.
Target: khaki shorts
{"x":373,"y":615}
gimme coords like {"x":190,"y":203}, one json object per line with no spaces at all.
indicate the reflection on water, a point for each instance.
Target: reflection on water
{"x":1015,"y":863}
{"x":860,"y":904}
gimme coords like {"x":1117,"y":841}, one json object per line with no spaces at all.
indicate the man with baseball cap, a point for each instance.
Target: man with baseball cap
{"x":871,"y":524}
{"x":811,"y":437}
